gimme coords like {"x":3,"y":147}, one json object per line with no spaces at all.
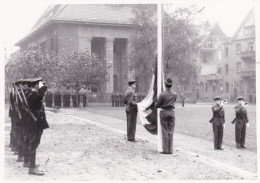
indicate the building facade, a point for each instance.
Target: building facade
{"x":104,"y":30}
{"x":210,"y":74}
{"x":227,"y":65}
{"x":240,"y":78}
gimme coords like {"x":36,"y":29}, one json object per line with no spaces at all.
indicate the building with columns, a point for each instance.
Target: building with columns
{"x":104,"y":30}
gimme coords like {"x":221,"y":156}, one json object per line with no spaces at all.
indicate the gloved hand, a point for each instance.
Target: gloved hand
{"x":247,"y":125}
{"x":224,"y":126}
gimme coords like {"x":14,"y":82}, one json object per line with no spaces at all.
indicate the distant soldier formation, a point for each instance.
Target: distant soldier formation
{"x":64,"y":99}
{"x":28,"y":120}
{"x":117,"y":98}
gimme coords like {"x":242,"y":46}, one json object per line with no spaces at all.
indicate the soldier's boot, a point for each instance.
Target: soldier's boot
{"x":26,"y":160}
{"x":33,"y":168}
{"x":35,"y":171}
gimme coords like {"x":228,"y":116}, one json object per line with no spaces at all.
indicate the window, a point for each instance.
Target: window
{"x":205,"y":58}
{"x":226,"y":69}
{"x":226,"y":52}
{"x":214,"y":88}
{"x":238,"y":67}
{"x":52,"y":45}
{"x":251,"y":46}
{"x":238,"y":48}
{"x":206,"y":87}
{"x":249,"y":30}
{"x":227,"y":87}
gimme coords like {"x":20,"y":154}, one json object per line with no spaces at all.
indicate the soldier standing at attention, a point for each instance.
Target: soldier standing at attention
{"x":166,"y":102}
{"x":241,"y":121}
{"x":36,"y":126}
{"x":131,"y":110}
{"x":218,"y":123}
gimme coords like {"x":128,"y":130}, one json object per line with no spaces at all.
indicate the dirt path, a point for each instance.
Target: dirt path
{"x":87,"y":146}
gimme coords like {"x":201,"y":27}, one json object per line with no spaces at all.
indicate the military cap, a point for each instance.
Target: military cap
{"x":240,"y":98}
{"x":131,"y":82}
{"x":18,"y":81}
{"x":36,"y":80}
{"x":168,"y":81}
{"x":217,"y":98}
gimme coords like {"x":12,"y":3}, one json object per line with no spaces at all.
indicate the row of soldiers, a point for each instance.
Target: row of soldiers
{"x":28,"y":120}
{"x":58,"y":98}
{"x":117,"y":98}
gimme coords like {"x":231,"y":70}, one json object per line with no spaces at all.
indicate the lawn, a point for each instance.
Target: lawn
{"x":193,"y":120}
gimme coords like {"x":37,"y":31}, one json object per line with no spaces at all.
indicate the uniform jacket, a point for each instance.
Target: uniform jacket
{"x":166,"y":100}
{"x":241,"y":114}
{"x":36,"y":106}
{"x":218,"y":115}
{"x":130,"y":99}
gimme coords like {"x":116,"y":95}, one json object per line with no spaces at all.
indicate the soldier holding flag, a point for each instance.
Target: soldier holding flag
{"x":166,"y":102}
{"x":131,"y":110}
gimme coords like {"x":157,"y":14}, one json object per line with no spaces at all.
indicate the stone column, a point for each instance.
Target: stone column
{"x":129,"y":50}
{"x":109,"y":59}
{"x":84,"y":44}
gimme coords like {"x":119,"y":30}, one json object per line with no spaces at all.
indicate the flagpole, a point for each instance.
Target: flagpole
{"x":159,"y":70}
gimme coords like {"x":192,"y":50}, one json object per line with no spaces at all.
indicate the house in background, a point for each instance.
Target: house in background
{"x":239,"y":77}
{"x":227,"y":65}
{"x":210,"y":54}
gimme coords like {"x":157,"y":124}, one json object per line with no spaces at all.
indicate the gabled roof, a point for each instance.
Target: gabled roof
{"x":249,"y":15}
{"x":117,"y":15}
{"x":214,"y":31}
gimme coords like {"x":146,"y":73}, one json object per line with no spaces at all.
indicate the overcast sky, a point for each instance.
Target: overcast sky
{"x":20,"y":16}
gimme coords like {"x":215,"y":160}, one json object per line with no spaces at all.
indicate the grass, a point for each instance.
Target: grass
{"x":193,"y":120}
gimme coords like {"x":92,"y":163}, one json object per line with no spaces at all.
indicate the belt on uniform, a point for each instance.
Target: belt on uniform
{"x":167,"y":109}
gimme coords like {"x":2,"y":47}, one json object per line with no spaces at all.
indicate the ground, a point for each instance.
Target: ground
{"x":90,"y":144}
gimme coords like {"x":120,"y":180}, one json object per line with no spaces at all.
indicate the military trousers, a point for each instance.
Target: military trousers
{"x":218,"y":135}
{"x":167,"y":120}
{"x":240,"y":133}
{"x":131,"y":116}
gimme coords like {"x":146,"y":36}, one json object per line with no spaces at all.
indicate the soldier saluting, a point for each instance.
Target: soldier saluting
{"x":37,"y":123}
{"x":241,"y":121}
{"x":218,"y":122}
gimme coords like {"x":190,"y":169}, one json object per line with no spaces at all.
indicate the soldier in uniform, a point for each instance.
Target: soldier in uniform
{"x":74,"y":99}
{"x":166,"y":102}
{"x":182,"y":99}
{"x":218,"y":123}
{"x":241,"y":121}
{"x":12,"y":115}
{"x":113,"y":99}
{"x":131,"y":110}
{"x":22,"y":124}
{"x":64,"y":99}
{"x":121,"y":99}
{"x":37,"y":125}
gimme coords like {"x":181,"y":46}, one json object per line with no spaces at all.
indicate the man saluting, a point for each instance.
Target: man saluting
{"x":131,"y":110}
{"x":37,"y":122}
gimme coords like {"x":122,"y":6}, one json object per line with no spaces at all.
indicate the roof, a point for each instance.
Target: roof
{"x":246,"y":22}
{"x":84,"y":13}
{"x":214,"y":31}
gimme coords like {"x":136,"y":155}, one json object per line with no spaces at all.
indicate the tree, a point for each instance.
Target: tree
{"x":69,"y":70}
{"x":180,"y":42}
{"x":81,"y":68}
{"x":144,"y":43}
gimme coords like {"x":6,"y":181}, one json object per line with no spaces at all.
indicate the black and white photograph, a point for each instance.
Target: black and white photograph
{"x":129,"y":91}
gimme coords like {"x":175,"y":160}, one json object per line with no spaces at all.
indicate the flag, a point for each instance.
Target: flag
{"x":146,"y":108}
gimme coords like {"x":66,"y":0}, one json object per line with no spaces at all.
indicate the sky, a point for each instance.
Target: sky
{"x":20,"y":16}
